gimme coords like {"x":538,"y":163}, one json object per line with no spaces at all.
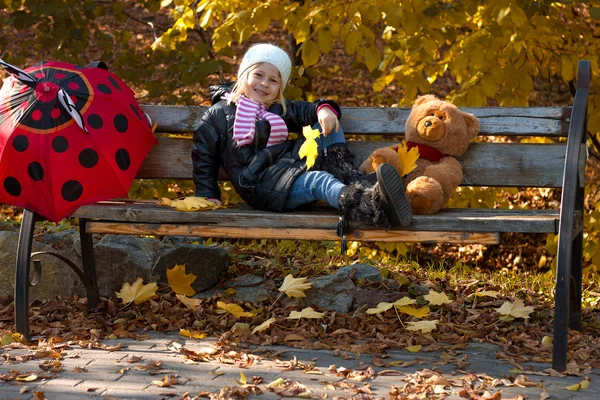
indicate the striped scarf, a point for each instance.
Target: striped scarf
{"x":248,"y":112}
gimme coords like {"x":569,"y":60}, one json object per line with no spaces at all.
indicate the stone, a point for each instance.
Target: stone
{"x":57,"y":278}
{"x":331,"y":292}
{"x":124,"y":258}
{"x":249,"y":287}
{"x":206,"y":262}
{"x":361,"y":272}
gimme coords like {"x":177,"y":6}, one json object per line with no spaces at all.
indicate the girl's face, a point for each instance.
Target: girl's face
{"x":263,"y":84}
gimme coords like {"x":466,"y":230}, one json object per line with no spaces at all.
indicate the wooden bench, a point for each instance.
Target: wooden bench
{"x":496,"y":164}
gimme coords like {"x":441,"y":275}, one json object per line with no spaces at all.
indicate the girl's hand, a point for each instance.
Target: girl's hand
{"x":328,"y":121}
{"x":216,"y":201}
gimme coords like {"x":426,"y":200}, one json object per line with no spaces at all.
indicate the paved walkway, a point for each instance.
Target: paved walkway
{"x":129,"y":372}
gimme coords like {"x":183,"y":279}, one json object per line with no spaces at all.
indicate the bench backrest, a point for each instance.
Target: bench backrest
{"x":509,"y":161}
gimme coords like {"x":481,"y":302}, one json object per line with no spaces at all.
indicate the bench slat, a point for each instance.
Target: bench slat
{"x":323,"y":218}
{"x":289,"y":233}
{"x":538,"y":121}
{"x":484,"y":164}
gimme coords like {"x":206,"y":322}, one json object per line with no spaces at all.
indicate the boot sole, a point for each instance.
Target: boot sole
{"x":393,"y":197}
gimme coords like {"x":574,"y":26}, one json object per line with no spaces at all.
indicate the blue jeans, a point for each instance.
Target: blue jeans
{"x":317,"y":185}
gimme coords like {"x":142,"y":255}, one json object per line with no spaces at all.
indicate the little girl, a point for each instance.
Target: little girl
{"x":245,"y":131}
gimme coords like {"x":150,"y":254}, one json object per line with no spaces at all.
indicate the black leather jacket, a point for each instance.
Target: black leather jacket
{"x":261,"y":176}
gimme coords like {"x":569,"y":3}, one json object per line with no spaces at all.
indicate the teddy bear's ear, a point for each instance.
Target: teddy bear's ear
{"x":472,"y":124}
{"x":424,"y":99}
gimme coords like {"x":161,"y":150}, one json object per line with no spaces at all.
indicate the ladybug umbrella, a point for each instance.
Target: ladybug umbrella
{"x":69,"y":136}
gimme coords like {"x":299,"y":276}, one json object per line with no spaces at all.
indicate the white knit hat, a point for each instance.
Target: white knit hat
{"x":265,"y":52}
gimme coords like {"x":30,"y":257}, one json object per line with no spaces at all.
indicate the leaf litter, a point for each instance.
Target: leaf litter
{"x":519,"y":323}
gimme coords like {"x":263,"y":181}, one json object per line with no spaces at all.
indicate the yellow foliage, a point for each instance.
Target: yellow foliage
{"x":137,"y":292}
{"x":309,"y":149}
{"x":265,"y":325}
{"x":437,"y":299}
{"x":514,"y":310}
{"x":234,"y":310}
{"x":180,"y":281}
{"x":422,"y":326}
{"x":294,"y":287}
{"x":193,"y":335}
{"x":189,"y":204}
{"x":189,"y":303}
{"x":408,"y":158}
{"x":306,"y":313}
{"x":414,"y":312}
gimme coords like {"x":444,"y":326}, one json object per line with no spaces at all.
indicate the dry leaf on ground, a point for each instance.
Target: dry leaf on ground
{"x":137,"y":292}
{"x":294,"y":287}
{"x":181,"y":282}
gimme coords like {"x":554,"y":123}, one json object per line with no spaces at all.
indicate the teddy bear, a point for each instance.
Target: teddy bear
{"x":442,"y":133}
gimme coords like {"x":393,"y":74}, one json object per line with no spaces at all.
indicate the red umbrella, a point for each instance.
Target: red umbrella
{"x":69,"y":136}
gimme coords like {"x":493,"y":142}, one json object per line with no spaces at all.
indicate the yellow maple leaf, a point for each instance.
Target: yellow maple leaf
{"x":423,"y":326}
{"x":264,"y":325}
{"x":404,"y":301}
{"x":188,"y":203}
{"x":234,"y":309}
{"x":408,"y":158}
{"x":306,"y":313}
{"x":415,"y":348}
{"x":518,"y":309}
{"x":436,"y":299}
{"x":309,"y":149}
{"x":415,"y":312}
{"x":189,"y":303}
{"x":294,"y":287}
{"x":584,"y":384}
{"x":190,"y":334}
{"x":180,"y":281}
{"x":381,"y":307}
{"x":137,"y":292}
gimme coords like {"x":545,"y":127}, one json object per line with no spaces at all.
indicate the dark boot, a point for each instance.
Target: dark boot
{"x":339,"y":162}
{"x":383,"y":204}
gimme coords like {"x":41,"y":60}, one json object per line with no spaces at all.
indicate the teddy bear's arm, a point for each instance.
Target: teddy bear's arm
{"x":448,"y":172}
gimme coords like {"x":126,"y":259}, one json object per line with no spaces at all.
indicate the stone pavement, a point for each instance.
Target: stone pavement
{"x":127,"y":373}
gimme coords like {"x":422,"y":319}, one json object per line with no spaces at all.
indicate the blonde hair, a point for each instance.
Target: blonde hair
{"x":238,"y":89}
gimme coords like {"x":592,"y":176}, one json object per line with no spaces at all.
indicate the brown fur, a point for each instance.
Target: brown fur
{"x":430,"y":185}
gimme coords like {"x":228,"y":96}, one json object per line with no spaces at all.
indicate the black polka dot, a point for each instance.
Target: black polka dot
{"x":95,"y":121}
{"x":121,"y":123}
{"x":71,"y":190}
{"x":114,"y":83}
{"x":122,"y":159}
{"x":88,"y":158}
{"x":60,"y":144}
{"x":21,"y":143}
{"x":12,"y":186}
{"x":104,"y":88}
{"x":35,"y":171}
{"x":135,"y":111}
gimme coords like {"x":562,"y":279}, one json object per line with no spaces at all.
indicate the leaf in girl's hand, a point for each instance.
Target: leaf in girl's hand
{"x":309,"y":149}
{"x":408,"y":158}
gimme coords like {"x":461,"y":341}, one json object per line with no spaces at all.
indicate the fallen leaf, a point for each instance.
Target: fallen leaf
{"x":189,"y":204}
{"x":181,"y":283}
{"x":294,"y":287}
{"x":408,"y":158}
{"x":193,"y":335}
{"x":415,"y":312}
{"x":234,"y":310}
{"x":584,"y":384}
{"x":137,"y":292}
{"x":264,"y":325}
{"x":189,"y":303}
{"x":414,"y":349}
{"x":305,"y":313}
{"x":166,"y":381}
{"x":488,"y":293}
{"x":423,"y":326}
{"x":404,"y":301}
{"x":381,"y":307}
{"x":515,"y":310}
{"x":242,"y":380}
{"x":309,"y":149}
{"x":437,"y":299}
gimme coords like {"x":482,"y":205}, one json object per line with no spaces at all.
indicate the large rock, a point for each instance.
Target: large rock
{"x":57,"y":278}
{"x":331,"y":292}
{"x":206,"y":262}
{"x":124,"y":258}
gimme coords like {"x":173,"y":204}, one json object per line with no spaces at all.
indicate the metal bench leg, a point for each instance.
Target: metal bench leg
{"x":22,"y":273}
{"x":89,"y":267}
